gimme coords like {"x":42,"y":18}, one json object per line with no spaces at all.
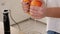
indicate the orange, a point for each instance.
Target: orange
{"x":36,"y":3}
{"x":26,"y":0}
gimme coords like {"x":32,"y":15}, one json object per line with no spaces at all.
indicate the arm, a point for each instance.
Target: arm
{"x":53,"y":12}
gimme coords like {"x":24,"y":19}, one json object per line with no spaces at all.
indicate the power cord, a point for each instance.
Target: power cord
{"x":14,"y":20}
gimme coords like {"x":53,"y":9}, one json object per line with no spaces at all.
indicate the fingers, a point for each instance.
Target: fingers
{"x":26,"y":5}
{"x":37,"y":9}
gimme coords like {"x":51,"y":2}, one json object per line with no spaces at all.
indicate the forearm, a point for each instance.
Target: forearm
{"x":53,"y":12}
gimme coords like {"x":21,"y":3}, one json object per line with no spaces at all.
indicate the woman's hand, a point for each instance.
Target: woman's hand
{"x":37,"y":9}
{"x":26,"y":5}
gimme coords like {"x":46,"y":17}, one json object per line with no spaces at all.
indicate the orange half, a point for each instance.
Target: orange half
{"x":36,"y":3}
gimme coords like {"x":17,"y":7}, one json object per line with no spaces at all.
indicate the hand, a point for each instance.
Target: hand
{"x":37,"y":9}
{"x":26,"y":5}
{"x":37,"y":12}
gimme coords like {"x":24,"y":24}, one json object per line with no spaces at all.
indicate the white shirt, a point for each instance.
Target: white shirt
{"x":53,"y":24}
{"x":53,"y":3}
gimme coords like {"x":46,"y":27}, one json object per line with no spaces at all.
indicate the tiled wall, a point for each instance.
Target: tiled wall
{"x":31,"y":26}
{"x":16,"y":10}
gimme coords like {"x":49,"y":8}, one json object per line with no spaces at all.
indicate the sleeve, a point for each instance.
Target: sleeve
{"x":53,"y":3}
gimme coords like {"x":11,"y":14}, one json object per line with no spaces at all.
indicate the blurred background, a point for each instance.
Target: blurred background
{"x":20,"y":20}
